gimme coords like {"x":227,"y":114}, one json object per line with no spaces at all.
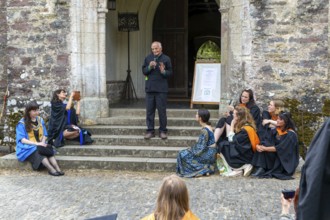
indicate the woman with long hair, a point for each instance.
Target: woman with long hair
{"x":280,"y":157}
{"x":269,"y":119}
{"x":57,"y":129}
{"x":247,"y":100}
{"x":31,"y":135}
{"x":172,"y":201}
{"x":237,"y":152}
{"x":199,"y":159}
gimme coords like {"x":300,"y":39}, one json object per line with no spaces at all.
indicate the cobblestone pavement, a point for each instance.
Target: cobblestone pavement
{"x":82,"y":194}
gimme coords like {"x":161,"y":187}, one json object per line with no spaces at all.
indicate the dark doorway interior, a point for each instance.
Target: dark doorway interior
{"x":182,"y":27}
{"x":203,"y":24}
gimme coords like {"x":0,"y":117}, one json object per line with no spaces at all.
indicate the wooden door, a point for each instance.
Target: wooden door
{"x":170,"y":28}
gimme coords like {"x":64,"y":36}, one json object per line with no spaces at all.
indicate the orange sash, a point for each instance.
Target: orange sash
{"x":242,"y":105}
{"x":280,"y":132}
{"x":273,"y":116}
{"x":254,"y":139}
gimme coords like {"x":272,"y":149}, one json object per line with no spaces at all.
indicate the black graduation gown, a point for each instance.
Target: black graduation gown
{"x":254,"y":111}
{"x":264,"y":132}
{"x":282,"y":163}
{"x":238,"y":152}
{"x":314,"y":195}
{"x":57,"y":123}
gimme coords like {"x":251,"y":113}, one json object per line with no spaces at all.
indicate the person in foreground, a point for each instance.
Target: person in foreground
{"x":280,"y":158}
{"x":286,"y":204}
{"x":198,"y":160}
{"x":156,"y":68}
{"x":237,"y":152}
{"x":314,"y":184}
{"x":172,"y":201}
{"x":31,"y":135}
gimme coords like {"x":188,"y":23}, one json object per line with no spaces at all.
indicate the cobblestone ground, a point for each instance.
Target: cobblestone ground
{"x":86,"y":194}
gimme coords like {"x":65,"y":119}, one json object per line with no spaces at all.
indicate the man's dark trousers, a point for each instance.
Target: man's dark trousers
{"x":156,"y":100}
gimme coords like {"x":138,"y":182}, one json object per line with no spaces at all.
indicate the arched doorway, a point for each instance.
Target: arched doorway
{"x":182,"y":26}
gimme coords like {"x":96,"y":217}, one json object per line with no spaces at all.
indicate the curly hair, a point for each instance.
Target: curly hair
{"x":244,"y":117}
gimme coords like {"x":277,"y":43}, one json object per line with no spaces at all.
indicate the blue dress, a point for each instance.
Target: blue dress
{"x":199,"y":159}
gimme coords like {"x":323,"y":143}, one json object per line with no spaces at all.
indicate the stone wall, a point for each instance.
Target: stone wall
{"x":37,"y":49}
{"x":3,"y":45}
{"x":290,"y":51}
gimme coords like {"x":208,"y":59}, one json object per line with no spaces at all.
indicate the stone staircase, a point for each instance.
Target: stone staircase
{"x":120,"y":144}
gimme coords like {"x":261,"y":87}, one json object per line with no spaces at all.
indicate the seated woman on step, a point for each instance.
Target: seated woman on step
{"x":198,"y":160}
{"x":72,"y":125}
{"x":269,"y":120}
{"x":247,"y":100}
{"x":236,"y":153}
{"x":172,"y":201}
{"x":279,"y":158}
{"x":31,"y":135}
{"x":62,"y":118}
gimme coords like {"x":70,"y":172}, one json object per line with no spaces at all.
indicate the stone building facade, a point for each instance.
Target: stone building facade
{"x":278,"y":48}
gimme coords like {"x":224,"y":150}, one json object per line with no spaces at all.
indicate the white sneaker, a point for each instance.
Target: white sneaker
{"x":247,"y":169}
{"x":234,"y":173}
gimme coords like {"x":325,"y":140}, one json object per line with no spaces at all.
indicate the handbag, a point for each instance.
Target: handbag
{"x":222,"y":165}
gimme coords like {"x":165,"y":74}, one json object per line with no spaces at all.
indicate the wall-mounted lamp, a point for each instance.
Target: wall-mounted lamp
{"x":111,"y":4}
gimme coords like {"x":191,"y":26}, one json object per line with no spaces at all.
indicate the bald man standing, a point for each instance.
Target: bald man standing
{"x":156,"y":68}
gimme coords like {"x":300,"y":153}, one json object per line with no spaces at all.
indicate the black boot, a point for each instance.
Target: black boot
{"x":260,"y":171}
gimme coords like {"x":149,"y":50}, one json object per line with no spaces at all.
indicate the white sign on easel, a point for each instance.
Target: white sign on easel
{"x":206,"y":84}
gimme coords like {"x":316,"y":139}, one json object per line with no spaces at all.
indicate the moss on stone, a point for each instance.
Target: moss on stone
{"x":307,"y":123}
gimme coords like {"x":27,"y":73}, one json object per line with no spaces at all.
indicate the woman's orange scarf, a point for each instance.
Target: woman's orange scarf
{"x":273,"y":116}
{"x":280,"y":132}
{"x":254,"y":139}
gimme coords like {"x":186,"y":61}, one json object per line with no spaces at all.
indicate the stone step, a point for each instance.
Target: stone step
{"x":140,"y":130}
{"x":138,"y":121}
{"x":119,"y":151}
{"x":138,"y":112}
{"x":104,"y":163}
{"x":133,"y":140}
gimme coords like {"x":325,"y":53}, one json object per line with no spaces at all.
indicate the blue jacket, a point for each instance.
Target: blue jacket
{"x":23,"y":151}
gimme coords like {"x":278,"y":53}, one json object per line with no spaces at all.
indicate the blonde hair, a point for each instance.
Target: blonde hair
{"x":279,"y":106}
{"x":244,"y":117}
{"x":173,"y":199}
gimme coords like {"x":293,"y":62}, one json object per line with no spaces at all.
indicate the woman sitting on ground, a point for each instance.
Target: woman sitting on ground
{"x":31,"y":135}
{"x":172,"y":201}
{"x":237,"y":152}
{"x":198,"y":160}
{"x":247,"y":100}
{"x":269,"y":119}
{"x":280,"y":158}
